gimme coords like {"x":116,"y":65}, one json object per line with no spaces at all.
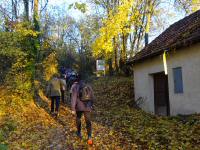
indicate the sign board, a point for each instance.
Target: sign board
{"x":100,"y":64}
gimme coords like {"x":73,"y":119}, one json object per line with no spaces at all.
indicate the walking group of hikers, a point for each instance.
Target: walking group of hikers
{"x":81,"y":100}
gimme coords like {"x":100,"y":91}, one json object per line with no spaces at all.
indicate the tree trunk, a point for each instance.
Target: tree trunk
{"x":133,"y":41}
{"x":36,"y":15}
{"x":110,"y":66}
{"x":123,"y":52}
{"x":36,"y":42}
{"x":115,"y":54}
{"x":141,"y":30}
{"x":26,"y":9}
{"x":14,"y":10}
{"x":148,"y":21}
{"x":124,"y":44}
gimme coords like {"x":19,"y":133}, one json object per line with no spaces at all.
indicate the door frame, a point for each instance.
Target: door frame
{"x":167,"y":92}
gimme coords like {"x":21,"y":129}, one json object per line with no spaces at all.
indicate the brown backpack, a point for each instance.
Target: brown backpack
{"x":85,"y":93}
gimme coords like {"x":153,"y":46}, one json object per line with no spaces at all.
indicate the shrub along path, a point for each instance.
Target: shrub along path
{"x":116,"y":124}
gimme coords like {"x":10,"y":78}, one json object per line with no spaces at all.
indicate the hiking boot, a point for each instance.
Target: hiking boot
{"x":90,"y":142}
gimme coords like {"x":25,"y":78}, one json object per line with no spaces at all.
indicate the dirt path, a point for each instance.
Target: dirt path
{"x":104,"y":137}
{"x":34,"y":128}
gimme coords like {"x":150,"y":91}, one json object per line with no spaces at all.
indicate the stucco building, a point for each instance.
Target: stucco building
{"x":178,"y":92}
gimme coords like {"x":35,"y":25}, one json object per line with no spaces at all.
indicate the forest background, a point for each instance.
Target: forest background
{"x":74,"y":35}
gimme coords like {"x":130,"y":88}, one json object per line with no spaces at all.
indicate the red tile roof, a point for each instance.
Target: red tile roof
{"x":183,"y":33}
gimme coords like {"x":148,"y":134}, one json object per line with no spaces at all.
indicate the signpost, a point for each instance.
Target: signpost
{"x":100,"y":66}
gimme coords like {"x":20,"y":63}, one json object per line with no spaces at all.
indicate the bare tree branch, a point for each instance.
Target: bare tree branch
{"x":5,"y":12}
{"x":44,"y":6}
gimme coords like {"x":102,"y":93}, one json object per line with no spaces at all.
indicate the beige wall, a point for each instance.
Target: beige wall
{"x":186,"y":103}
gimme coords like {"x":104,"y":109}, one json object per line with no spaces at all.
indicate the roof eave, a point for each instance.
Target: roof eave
{"x":184,"y":43}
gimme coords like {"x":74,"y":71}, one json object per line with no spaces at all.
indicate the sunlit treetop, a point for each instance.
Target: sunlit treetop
{"x":118,"y":22}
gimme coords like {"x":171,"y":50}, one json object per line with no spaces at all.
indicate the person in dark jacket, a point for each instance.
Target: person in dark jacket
{"x":80,"y":108}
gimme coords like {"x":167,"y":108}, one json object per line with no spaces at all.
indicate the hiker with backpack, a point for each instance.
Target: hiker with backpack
{"x":81,"y":104}
{"x":54,"y":92}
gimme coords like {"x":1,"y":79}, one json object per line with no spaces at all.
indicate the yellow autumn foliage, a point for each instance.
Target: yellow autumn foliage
{"x":24,"y":32}
{"x":195,"y":5}
{"x":118,"y":22}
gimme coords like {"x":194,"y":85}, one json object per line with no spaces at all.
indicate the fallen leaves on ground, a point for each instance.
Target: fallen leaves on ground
{"x":114,"y":103}
{"x":116,"y":124}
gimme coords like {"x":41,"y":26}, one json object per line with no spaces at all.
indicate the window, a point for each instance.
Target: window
{"x":178,"y":81}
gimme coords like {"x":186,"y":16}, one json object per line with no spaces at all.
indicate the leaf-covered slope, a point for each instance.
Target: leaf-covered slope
{"x":34,"y":128}
{"x":116,"y":125}
{"x":114,"y":96}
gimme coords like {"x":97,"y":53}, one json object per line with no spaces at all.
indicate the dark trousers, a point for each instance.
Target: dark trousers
{"x":55,"y":100}
{"x":87,"y":116}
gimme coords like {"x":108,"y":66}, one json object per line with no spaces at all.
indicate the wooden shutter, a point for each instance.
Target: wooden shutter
{"x":178,"y":81}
